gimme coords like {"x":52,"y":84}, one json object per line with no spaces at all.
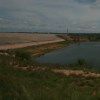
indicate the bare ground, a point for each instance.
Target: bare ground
{"x":19,"y":40}
{"x":76,"y":72}
{"x":67,"y":72}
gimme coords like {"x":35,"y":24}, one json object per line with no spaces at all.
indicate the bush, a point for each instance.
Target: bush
{"x":81,"y":61}
{"x":22,"y":55}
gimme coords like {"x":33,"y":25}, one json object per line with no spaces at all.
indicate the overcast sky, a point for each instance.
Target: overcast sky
{"x":50,"y":15}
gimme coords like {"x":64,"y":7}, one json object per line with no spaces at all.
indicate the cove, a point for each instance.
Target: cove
{"x":89,"y":51}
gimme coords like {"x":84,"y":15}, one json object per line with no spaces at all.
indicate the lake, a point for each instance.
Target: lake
{"x":89,"y":51}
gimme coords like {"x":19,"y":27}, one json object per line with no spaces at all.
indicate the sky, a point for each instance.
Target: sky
{"x":50,"y":15}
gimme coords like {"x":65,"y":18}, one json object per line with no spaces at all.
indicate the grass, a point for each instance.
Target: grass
{"x":18,"y":84}
{"x":42,"y":49}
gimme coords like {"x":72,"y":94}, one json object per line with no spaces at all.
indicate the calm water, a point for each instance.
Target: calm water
{"x":89,"y":51}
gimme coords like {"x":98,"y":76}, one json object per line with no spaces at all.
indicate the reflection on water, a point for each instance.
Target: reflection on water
{"x":89,"y":51}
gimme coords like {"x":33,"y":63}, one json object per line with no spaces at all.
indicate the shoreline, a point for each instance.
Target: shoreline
{"x":22,"y":45}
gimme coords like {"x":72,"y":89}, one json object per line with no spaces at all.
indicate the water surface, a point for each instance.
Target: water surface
{"x":89,"y":51}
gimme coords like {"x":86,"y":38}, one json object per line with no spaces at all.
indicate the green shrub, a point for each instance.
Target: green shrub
{"x":81,"y":61}
{"x":22,"y":55}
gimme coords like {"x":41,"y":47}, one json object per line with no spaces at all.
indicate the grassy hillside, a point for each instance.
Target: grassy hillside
{"x":16,"y":84}
{"x":39,"y":82}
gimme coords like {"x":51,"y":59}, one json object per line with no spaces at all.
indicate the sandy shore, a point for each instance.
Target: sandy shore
{"x":13,"y":46}
{"x":11,"y":40}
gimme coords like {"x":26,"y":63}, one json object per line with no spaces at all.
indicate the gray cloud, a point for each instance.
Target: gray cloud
{"x":50,"y":15}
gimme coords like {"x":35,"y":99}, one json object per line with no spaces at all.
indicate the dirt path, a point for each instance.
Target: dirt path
{"x":67,"y":72}
{"x":13,"y":46}
{"x":76,"y":72}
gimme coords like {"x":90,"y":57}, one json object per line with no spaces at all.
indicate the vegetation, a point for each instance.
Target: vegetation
{"x":81,"y":61}
{"x":42,"y":49}
{"x":21,"y":55}
{"x":16,"y":84}
{"x":86,"y":36}
{"x":39,"y":82}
